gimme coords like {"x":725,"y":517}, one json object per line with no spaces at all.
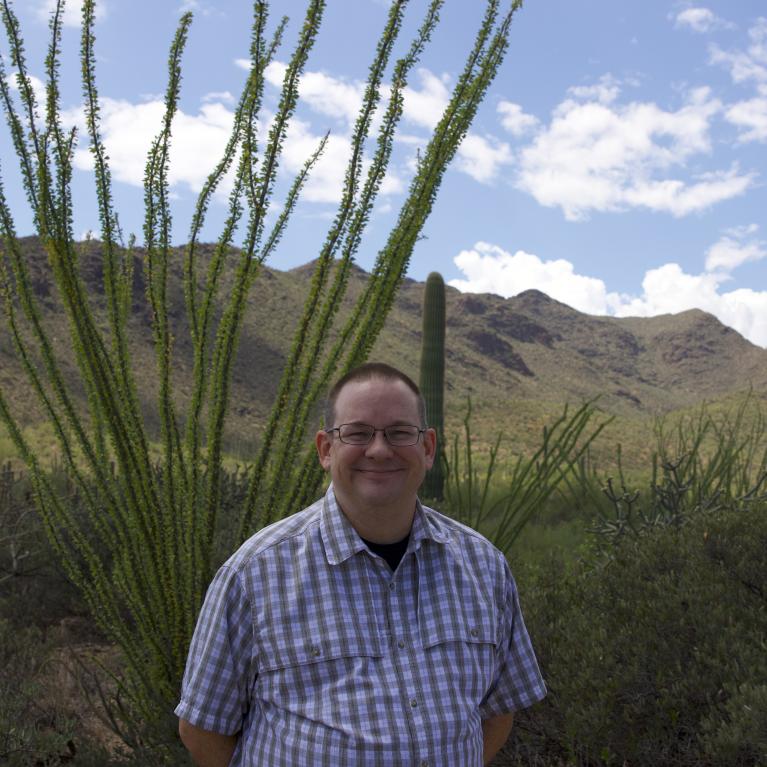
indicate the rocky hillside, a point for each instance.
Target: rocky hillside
{"x":519,"y":358}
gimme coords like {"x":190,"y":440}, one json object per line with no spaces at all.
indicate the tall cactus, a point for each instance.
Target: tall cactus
{"x":433,"y":376}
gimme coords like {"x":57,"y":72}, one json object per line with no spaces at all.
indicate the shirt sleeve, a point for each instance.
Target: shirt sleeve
{"x":214,"y":692}
{"x":518,"y":682}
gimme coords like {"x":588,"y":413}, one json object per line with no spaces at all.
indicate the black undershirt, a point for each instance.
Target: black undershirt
{"x":391,"y":552}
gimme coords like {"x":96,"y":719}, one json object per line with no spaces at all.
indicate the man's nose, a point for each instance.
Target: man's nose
{"x":378,"y":446}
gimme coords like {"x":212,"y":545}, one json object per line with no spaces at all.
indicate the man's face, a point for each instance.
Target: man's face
{"x":376,"y":475}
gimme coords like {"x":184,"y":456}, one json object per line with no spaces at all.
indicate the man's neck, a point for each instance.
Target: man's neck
{"x":380,"y":524}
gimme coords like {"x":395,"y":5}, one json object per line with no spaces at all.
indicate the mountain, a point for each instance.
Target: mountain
{"x":519,"y":359}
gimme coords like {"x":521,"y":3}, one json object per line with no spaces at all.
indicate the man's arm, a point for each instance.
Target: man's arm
{"x":208,"y":749}
{"x":494,"y":733}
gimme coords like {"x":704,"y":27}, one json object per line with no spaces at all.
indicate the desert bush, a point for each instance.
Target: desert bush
{"x":34,"y":591}
{"x":655,"y":655}
{"x":500,"y":499}
{"x":30,"y":731}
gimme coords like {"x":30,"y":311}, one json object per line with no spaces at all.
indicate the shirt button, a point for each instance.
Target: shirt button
{"x":413,"y":703}
{"x":401,"y":644}
{"x":315,"y":651}
{"x":424,"y":763}
{"x":474,"y":632}
{"x":392,"y":585}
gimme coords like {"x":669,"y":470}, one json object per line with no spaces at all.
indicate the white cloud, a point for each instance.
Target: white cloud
{"x":198,"y":143}
{"x":604,"y":92}
{"x":680,"y":199}
{"x":515,"y":120}
{"x":332,"y":96}
{"x":735,"y":247}
{"x":73,"y":11}
{"x":325,"y":183}
{"x":425,"y":106}
{"x":700,"y":20}
{"x":481,"y":158}
{"x":325,"y":94}
{"x":337,"y":97}
{"x":196,"y":6}
{"x":128,"y":130}
{"x":751,"y":117}
{"x":597,"y":155}
{"x":749,"y":65}
{"x":224,"y":97}
{"x":490,"y":269}
{"x":666,"y":289}
{"x":38,"y":89}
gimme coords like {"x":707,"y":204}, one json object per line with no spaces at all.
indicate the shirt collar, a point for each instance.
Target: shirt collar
{"x":341,"y":540}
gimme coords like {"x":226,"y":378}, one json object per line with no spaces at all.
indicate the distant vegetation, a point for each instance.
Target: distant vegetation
{"x":647,"y":614}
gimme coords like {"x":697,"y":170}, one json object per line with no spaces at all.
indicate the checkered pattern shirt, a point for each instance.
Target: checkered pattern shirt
{"x":317,"y":654}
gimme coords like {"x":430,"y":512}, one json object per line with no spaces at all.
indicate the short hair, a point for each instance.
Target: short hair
{"x":368,"y":372}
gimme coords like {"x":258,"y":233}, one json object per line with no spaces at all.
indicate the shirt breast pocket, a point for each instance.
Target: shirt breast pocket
{"x":460,"y":635}
{"x":316,"y":676}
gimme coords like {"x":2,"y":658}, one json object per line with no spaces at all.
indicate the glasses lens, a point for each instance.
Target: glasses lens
{"x":401,"y":436}
{"x":361,"y":434}
{"x":355,"y":433}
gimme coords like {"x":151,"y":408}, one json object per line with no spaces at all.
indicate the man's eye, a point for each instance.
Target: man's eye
{"x":401,"y":436}
{"x":356,"y":433}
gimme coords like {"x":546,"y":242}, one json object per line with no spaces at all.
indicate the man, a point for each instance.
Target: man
{"x":366,"y":629}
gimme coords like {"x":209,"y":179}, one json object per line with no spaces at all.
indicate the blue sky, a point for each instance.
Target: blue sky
{"x":617,"y":164}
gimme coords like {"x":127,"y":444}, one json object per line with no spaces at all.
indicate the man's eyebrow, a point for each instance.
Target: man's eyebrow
{"x":399,"y":422}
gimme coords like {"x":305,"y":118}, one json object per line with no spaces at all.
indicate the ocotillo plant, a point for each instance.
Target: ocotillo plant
{"x":142,"y":551}
{"x":432,"y":380}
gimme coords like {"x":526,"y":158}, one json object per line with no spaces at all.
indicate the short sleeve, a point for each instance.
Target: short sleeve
{"x":214,"y":693}
{"x":518,"y":682}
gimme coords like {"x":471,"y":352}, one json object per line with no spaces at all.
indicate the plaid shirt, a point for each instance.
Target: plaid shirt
{"x":317,"y":654}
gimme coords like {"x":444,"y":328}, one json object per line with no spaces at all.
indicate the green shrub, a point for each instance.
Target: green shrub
{"x":655,"y":656}
{"x":30,"y":732}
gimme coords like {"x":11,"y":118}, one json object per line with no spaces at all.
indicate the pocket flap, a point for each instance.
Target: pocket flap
{"x":276,"y":654}
{"x":471,"y":628}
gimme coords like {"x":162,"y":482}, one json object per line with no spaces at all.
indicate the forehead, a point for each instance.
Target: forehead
{"x":377,"y":402}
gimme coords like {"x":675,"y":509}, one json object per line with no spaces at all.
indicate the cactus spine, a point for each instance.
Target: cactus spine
{"x":432,"y":381}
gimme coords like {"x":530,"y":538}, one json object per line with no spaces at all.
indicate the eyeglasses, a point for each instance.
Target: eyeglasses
{"x":362,"y":434}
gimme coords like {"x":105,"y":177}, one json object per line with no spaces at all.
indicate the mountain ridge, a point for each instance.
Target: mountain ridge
{"x":518,"y":358}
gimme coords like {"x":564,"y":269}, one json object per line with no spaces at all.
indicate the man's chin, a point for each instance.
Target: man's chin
{"x":379,"y":491}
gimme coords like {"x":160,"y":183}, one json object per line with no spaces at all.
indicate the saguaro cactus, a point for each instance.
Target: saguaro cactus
{"x":433,"y":375}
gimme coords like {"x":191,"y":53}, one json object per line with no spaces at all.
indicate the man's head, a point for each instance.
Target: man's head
{"x":366,"y":372}
{"x":376,"y":476}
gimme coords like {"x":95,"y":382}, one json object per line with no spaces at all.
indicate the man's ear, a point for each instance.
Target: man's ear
{"x":324,"y":441}
{"x":430,"y":446}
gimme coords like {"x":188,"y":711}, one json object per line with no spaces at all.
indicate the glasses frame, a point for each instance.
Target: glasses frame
{"x":375,"y":431}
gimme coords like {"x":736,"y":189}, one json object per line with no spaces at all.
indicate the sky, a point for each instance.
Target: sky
{"x":617,"y":163}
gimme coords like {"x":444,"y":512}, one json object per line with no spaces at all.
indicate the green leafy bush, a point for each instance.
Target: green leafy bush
{"x":656,"y":655}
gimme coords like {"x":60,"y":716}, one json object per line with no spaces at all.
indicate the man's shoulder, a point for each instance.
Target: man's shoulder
{"x":300,"y":524}
{"x":458,"y":534}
